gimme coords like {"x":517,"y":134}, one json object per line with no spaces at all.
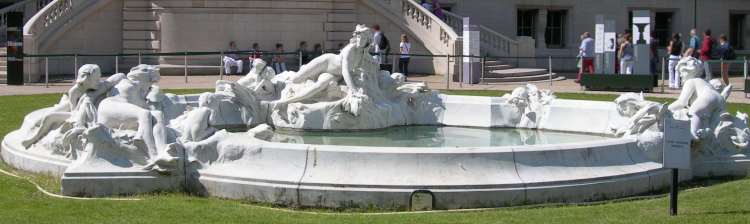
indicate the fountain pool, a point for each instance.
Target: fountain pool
{"x":434,"y":136}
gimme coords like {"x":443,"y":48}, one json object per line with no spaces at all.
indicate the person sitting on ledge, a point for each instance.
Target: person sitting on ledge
{"x":231,"y":59}
{"x":255,"y":52}
{"x":279,"y":60}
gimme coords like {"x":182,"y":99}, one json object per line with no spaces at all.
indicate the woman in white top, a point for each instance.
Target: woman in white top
{"x":403,"y":63}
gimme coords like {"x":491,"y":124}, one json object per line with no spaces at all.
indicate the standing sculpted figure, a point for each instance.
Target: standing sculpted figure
{"x":333,"y":67}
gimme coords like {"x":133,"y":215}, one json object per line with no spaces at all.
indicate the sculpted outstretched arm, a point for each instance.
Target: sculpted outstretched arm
{"x":684,"y":100}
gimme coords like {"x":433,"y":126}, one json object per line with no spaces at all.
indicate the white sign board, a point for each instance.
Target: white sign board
{"x":471,"y":45}
{"x":677,"y":140}
{"x":644,"y":32}
{"x":610,"y":41}
{"x":599,"y":41}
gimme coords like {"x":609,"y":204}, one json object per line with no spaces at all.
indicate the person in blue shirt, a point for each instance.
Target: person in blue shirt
{"x":694,"y":45}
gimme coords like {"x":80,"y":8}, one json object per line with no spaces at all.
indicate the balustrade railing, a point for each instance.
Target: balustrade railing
{"x":492,"y":42}
{"x":28,"y":7}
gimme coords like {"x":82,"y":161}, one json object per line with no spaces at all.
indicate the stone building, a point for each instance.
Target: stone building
{"x":509,"y":28}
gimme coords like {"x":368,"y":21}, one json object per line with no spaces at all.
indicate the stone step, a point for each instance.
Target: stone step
{"x":515,"y":72}
{"x":494,"y":62}
{"x":543,"y":77}
{"x":497,"y":67}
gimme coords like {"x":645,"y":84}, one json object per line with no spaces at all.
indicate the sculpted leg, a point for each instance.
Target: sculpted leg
{"x":320,"y":85}
{"x":316,"y":67}
{"x":159,"y":132}
{"x":44,"y":126}
{"x":146,"y":132}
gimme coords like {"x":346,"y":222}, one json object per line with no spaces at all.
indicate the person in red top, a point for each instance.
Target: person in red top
{"x":705,"y":54}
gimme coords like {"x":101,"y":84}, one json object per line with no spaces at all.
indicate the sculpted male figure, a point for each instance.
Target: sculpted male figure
{"x":333,"y":67}
{"x":702,"y":99}
{"x":128,"y":108}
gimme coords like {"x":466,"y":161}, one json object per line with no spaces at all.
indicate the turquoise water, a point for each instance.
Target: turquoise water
{"x":434,"y":136}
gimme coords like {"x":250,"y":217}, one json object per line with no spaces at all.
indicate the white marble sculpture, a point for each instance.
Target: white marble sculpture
{"x":125,"y":125}
{"x":529,"y":101}
{"x":57,"y":128}
{"x":642,"y":114}
{"x":714,"y":131}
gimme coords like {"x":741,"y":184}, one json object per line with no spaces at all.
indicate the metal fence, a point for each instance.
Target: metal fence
{"x":63,"y":67}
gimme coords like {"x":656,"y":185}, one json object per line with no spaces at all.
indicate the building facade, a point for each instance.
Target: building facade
{"x":557,"y":24}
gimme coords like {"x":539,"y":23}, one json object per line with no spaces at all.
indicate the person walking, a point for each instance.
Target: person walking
{"x":654,"y":50}
{"x":726,"y":52}
{"x":707,"y":45}
{"x":674,"y":48}
{"x":382,"y":45}
{"x":438,"y":11}
{"x":586,"y":53}
{"x":403,"y":63}
{"x":427,"y":5}
{"x":626,"y":55}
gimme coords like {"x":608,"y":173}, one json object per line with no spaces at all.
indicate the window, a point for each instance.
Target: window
{"x":555,"y":32}
{"x":737,"y":30}
{"x":526,"y":23}
{"x":663,"y":27}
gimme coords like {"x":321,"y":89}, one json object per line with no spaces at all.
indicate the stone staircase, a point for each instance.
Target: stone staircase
{"x":140,"y":31}
{"x":500,"y":72}
{"x":3,"y":66}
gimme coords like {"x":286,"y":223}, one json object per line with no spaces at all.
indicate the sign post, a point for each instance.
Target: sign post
{"x":641,"y":41}
{"x":599,"y":43}
{"x":676,"y":156}
{"x":15,"y":48}
{"x":471,"y":65}
{"x":610,"y":46}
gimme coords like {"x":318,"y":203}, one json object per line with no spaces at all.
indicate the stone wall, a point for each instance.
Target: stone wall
{"x":100,"y":32}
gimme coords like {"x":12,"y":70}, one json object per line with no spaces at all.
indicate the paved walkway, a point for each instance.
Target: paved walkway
{"x":434,"y":82}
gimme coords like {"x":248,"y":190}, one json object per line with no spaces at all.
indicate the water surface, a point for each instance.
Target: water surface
{"x":434,"y":136}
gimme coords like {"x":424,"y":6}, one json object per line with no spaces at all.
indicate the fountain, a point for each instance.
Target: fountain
{"x":342,"y":133}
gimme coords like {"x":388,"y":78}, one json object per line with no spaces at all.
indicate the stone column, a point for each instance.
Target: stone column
{"x":541,"y":26}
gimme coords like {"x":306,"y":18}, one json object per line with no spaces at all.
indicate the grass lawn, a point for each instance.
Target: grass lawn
{"x":20,"y":202}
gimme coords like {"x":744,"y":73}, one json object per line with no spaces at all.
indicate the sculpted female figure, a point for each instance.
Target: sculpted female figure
{"x":76,"y":107}
{"x":333,"y":67}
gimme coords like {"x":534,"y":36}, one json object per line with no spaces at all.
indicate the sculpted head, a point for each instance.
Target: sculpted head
{"x":689,"y":68}
{"x":145,"y":74}
{"x":259,"y":64}
{"x":88,"y":76}
{"x":362,"y":37}
{"x":628,"y":103}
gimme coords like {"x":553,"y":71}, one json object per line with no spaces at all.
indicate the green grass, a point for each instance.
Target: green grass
{"x":20,"y":202}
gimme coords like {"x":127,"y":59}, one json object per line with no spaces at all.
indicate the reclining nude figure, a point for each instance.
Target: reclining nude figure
{"x":72,"y":108}
{"x":332,"y":67}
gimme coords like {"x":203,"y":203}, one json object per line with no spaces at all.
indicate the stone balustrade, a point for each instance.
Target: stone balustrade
{"x":494,"y":43}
